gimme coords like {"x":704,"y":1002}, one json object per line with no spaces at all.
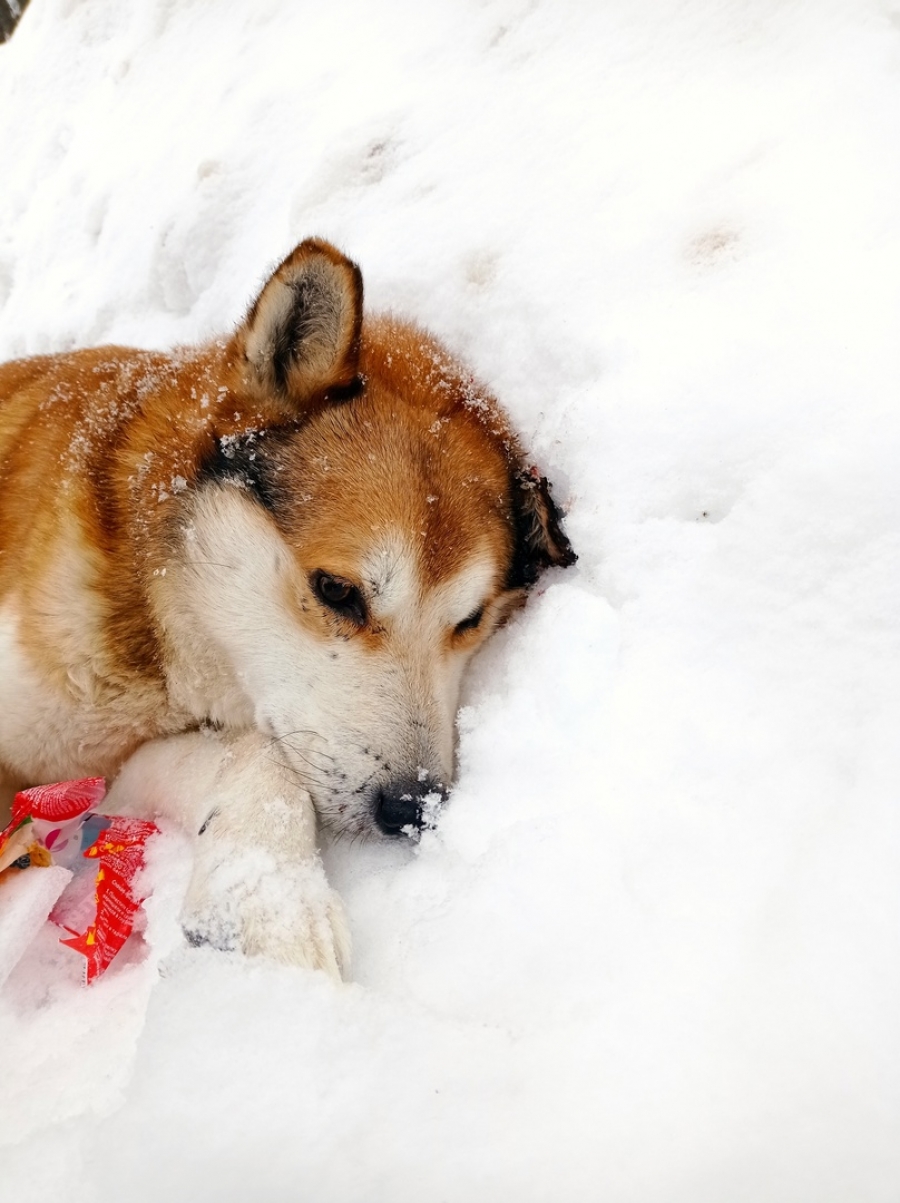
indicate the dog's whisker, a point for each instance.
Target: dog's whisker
{"x":303,"y":777}
{"x":288,"y":736}
{"x":363,"y":785}
{"x":324,"y":772}
{"x":308,"y":752}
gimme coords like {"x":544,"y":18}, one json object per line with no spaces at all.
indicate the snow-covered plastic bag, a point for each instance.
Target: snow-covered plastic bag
{"x":60,"y":859}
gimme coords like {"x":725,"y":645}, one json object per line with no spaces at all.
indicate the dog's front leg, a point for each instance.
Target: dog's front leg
{"x":258,"y":881}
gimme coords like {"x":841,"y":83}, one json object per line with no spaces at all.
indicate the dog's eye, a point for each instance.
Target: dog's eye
{"x":470,"y":623}
{"x":339,"y":595}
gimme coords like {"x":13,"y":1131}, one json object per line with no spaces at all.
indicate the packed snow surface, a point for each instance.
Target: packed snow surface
{"x":651,"y":954}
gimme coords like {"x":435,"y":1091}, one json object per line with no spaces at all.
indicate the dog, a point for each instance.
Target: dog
{"x":243,"y":581}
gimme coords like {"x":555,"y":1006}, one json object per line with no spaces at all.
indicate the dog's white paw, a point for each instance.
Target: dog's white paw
{"x":248,"y":901}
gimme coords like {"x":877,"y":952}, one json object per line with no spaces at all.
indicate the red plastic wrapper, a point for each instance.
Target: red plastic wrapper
{"x":58,"y":825}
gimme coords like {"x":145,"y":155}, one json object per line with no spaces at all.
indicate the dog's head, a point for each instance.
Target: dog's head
{"x":380,"y":522}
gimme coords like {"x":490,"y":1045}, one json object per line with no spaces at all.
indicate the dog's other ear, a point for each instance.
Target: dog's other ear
{"x":540,"y":541}
{"x":301,"y":336}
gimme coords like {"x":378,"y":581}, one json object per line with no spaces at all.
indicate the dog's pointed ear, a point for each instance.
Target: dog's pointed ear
{"x":301,"y":336}
{"x":540,"y":541}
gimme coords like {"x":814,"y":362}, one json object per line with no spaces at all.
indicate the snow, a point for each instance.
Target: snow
{"x":27,"y":901}
{"x":651,"y":952}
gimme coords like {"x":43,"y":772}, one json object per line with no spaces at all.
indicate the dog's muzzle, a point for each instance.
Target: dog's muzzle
{"x":406,"y":807}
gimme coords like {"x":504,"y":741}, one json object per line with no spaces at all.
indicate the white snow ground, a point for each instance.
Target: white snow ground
{"x":652,"y":953}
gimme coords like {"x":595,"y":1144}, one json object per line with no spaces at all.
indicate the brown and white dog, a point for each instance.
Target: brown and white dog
{"x":244,"y":580}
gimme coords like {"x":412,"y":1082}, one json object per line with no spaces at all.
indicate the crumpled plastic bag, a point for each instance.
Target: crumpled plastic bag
{"x":61,"y":859}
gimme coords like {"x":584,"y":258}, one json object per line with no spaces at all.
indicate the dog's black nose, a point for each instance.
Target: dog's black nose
{"x":407,"y":804}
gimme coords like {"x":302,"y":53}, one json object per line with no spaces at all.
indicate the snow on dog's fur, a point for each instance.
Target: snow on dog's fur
{"x":244,"y":581}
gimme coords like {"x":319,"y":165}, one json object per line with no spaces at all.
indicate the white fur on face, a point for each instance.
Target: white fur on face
{"x":392,"y":574}
{"x":349,"y":717}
